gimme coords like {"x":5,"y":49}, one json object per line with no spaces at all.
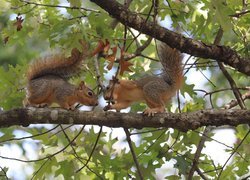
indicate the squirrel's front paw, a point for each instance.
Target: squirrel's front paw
{"x":72,"y":108}
{"x":108,"y":107}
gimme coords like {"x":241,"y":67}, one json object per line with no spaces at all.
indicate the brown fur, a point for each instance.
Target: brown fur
{"x":47,"y":82}
{"x":156,"y":91}
{"x":59,"y":65}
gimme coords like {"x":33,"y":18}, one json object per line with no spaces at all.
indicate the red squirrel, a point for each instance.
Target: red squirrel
{"x":154,"y":90}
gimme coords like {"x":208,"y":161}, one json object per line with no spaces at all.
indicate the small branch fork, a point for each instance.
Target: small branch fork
{"x":234,"y":102}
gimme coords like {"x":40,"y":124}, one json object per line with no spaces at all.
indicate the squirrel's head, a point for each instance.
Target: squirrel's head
{"x":109,"y":91}
{"x":86,"y":96}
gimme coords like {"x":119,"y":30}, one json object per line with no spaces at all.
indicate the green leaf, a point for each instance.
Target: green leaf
{"x":182,"y":164}
{"x":75,"y":3}
{"x":222,"y":13}
{"x":45,"y":168}
{"x":66,"y":169}
{"x":188,"y":88}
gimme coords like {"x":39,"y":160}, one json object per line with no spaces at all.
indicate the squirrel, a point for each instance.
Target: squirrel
{"x":47,"y":82}
{"x":154,"y":90}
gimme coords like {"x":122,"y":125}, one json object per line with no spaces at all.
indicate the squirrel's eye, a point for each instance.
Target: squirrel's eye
{"x":107,"y":88}
{"x":90,"y":93}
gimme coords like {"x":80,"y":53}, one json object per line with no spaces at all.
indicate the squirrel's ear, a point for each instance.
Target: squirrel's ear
{"x":81,"y":85}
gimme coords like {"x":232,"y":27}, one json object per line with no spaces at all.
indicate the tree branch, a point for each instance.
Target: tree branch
{"x":133,"y":154}
{"x":193,"y":47}
{"x":197,"y":154}
{"x":180,"y":121}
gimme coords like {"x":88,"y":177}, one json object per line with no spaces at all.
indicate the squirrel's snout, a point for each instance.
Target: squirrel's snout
{"x":107,"y":97}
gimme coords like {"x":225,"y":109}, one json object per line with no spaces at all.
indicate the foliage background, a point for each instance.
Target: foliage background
{"x":56,"y":26}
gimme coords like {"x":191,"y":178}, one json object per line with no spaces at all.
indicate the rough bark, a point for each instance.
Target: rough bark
{"x":182,"y":121}
{"x":190,"y":46}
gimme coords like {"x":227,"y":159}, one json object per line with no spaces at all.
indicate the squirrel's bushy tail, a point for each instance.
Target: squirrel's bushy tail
{"x":58,"y":65}
{"x":171,"y":60}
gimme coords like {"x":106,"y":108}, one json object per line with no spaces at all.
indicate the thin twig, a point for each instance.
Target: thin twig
{"x":220,"y":90}
{"x":68,"y":139}
{"x":198,"y":152}
{"x":171,"y":9}
{"x":247,"y":177}
{"x":233,"y":149}
{"x":4,"y":172}
{"x":40,"y":168}
{"x":237,"y":15}
{"x":208,"y":128}
{"x":59,"y":131}
{"x":46,"y":157}
{"x":213,"y":170}
{"x":114,"y":22}
{"x":233,"y":153}
{"x":133,"y":153}
{"x":59,"y":6}
{"x":186,"y":62}
{"x":234,"y":103}
{"x":200,"y":173}
{"x":207,"y":78}
{"x":76,"y":155}
{"x":151,"y":8}
{"x":153,"y":143}
{"x":90,"y":156}
{"x":147,"y":57}
{"x":148,"y":131}
{"x":232,"y":83}
{"x":27,"y":137}
{"x":98,"y":73}
{"x":175,"y":141}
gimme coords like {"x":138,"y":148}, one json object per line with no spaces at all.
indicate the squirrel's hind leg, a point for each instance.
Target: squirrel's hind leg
{"x":152,"y":111}
{"x":27,"y":103}
{"x":153,"y":96}
{"x":37,"y":101}
{"x":37,"y":94}
{"x":154,"y":107}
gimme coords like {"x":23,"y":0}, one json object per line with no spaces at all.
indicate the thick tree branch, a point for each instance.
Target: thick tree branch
{"x":182,"y":121}
{"x":196,"y":48}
